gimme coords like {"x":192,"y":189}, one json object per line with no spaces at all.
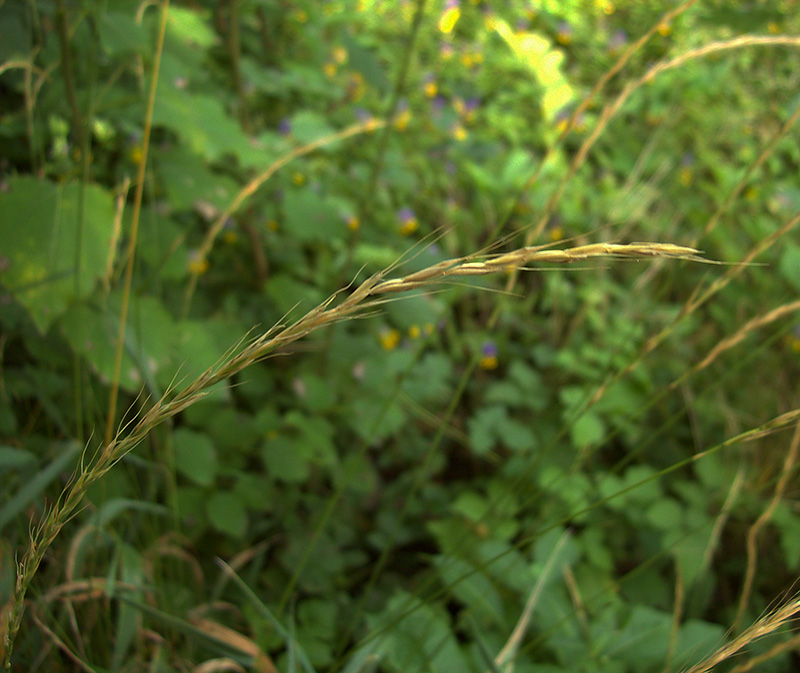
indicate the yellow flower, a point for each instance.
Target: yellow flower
{"x":408,"y":221}
{"x":329,"y":69}
{"x":664,"y":29}
{"x":685,"y":176}
{"x":355,"y":87}
{"x":450,"y":16}
{"x":488,"y":356}
{"x":402,"y":119}
{"x":459,"y":132}
{"x":556,"y":234}
{"x":298,"y":178}
{"x":135,"y":154}
{"x":414,"y":331}
{"x":353,"y":223}
{"x":389,"y":339}
{"x":197,"y":264}
{"x":606,"y":6}
{"x":340,"y":55}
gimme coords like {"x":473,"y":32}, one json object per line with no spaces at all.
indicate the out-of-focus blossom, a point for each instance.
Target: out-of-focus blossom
{"x":197,"y":263}
{"x":408,"y":221}
{"x":489,"y":353}
{"x":451,"y":14}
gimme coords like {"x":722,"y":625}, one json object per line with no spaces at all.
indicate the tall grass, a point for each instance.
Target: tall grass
{"x":370,"y":296}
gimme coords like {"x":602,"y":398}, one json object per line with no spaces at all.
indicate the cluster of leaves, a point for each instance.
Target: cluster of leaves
{"x":402,"y":488}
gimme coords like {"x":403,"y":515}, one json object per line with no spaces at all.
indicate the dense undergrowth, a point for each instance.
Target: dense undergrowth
{"x":581,"y":461}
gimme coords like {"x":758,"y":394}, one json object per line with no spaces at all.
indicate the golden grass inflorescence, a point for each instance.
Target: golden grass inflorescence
{"x":364,"y":297}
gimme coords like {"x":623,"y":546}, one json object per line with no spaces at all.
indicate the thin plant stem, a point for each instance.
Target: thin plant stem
{"x":399,"y":87}
{"x":573,"y":119}
{"x":133,"y":235}
{"x":251,"y":187}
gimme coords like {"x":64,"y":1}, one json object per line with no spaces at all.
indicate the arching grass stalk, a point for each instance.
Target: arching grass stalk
{"x":134,"y":230}
{"x":612,"y":108}
{"x":368,"y":295}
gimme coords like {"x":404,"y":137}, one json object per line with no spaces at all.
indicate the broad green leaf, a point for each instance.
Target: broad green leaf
{"x":285,"y":460}
{"x":201,"y":121}
{"x":54,"y":257}
{"x":195,"y":456}
{"x":482,"y":428}
{"x":227,"y":513}
{"x":470,"y":586}
{"x":588,"y":430}
{"x":310,"y":218}
{"x":93,"y":331}
{"x":696,"y":640}
{"x":537,"y":53}
{"x":665,"y":514}
{"x":292,"y":296}
{"x":121,"y":34}
{"x":790,"y":265}
{"x":30,"y":491}
{"x":308,"y":126}
{"x":643,"y":641}
{"x":188,"y":180}
{"x":191,"y":26}
{"x":423,"y":640}
{"x":12,"y":458}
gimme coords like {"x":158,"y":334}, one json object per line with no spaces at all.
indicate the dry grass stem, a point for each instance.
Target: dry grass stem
{"x":768,"y":624}
{"x":763,"y":519}
{"x":552,"y":202}
{"x":694,"y":302}
{"x":774,"y":651}
{"x":364,"y":297}
{"x":251,"y":187}
{"x":612,"y":108}
{"x":506,"y":656}
{"x":737,"y":338}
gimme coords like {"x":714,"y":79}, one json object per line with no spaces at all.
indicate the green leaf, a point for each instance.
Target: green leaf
{"x":201,"y":121}
{"x":191,"y":26}
{"x":195,"y":456}
{"x":471,"y":587}
{"x":538,"y":55}
{"x":588,"y":430}
{"x":310,"y":218}
{"x":12,"y":458}
{"x":665,"y":514}
{"x":227,"y":513}
{"x":120,"y":34}
{"x":291,"y":295}
{"x":696,"y":640}
{"x":93,"y":331}
{"x":30,"y":491}
{"x":481,"y":426}
{"x":188,"y":181}
{"x":789,"y":265}
{"x":285,"y":460}
{"x":308,"y":126}
{"x":643,"y":641}
{"x":420,"y":638}
{"x":42,"y":237}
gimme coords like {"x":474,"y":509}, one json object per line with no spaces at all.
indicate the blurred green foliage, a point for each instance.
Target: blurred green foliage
{"x":394,"y":489}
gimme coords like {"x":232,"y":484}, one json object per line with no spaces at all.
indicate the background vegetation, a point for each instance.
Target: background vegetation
{"x":568,"y":469}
